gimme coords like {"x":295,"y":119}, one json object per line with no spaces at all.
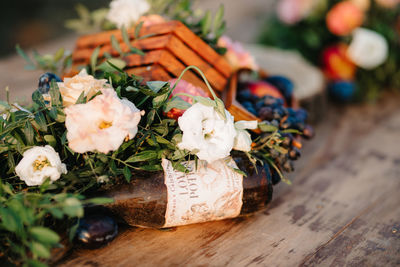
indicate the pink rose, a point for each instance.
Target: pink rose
{"x":102,"y":124}
{"x":236,"y":55}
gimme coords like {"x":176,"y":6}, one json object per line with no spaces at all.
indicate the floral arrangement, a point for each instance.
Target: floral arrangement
{"x":355,"y":42}
{"x":87,"y":133}
{"x":95,"y":130}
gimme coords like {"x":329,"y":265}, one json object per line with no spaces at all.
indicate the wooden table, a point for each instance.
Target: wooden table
{"x":342,"y":209}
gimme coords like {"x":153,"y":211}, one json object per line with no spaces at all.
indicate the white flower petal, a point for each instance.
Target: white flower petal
{"x":206,"y":132}
{"x":368,"y":49}
{"x":52,"y":170}
{"x":126,"y":12}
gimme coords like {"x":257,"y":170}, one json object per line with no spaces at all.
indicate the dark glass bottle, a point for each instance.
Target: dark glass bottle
{"x":143,"y":202}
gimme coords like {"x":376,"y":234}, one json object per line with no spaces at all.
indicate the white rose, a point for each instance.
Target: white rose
{"x":73,"y":87}
{"x":206,"y":133}
{"x":368,"y":49}
{"x":126,"y":12}
{"x":101,"y":124}
{"x":39,"y":163}
{"x":243,"y":139}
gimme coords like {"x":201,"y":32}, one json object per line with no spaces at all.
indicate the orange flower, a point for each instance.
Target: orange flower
{"x":336,"y":64}
{"x":344,"y":17}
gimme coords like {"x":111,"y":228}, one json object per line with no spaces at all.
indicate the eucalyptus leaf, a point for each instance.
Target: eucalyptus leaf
{"x":142,"y":156}
{"x":156,"y":86}
{"x":40,"y":250}
{"x":176,"y":102}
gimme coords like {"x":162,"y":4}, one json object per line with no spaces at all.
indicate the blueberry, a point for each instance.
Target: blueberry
{"x":247,"y":105}
{"x":244,"y":95}
{"x":285,"y":86}
{"x":342,"y":91}
{"x":252,"y":110}
{"x":45,"y":81}
{"x":96,"y":229}
{"x":259,"y":104}
{"x":301,"y":115}
{"x":266,"y":113}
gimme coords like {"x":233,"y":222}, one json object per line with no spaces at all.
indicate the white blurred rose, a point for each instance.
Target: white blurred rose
{"x":126,"y":12}
{"x":73,"y":87}
{"x":101,"y":124}
{"x":206,"y":133}
{"x":243,"y":139}
{"x":368,"y":49}
{"x":38,"y":164}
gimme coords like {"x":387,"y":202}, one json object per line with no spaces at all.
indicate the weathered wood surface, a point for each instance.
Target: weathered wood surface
{"x":343,"y":208}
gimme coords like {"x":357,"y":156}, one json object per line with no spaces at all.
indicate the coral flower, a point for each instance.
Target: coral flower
{"x":336,"y":64}
{"x":344,"y":17}
{"x":101,"y":124}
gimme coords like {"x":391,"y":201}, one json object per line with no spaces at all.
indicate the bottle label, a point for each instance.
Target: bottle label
{"x":210,"y":192}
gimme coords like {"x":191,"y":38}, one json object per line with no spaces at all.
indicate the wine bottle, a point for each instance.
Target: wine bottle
{"x":209,"y":192}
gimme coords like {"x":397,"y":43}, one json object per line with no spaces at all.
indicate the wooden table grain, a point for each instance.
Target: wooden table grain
{"x":342,"y":209}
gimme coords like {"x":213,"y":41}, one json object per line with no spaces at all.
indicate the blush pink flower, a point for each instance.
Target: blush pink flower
{"x":292,"y":11}
{"x":343,"y":18}
{"x":236,"y":55}
{"x":102,"y":124}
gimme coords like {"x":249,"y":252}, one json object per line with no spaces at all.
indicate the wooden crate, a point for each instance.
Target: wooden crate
{"x":170,"y":49}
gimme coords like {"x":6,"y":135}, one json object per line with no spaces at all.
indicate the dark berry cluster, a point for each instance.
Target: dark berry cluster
{"x":272,"y":111}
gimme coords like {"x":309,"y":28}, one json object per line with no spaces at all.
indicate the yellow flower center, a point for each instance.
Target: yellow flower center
{"x":105,"y":125}
{"x":40,"y":163}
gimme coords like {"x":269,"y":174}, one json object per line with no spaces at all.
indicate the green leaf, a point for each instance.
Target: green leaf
{"x":93,"y":58}
{"x":110,"y":64}
{"x":57,"y":213}
{"x":40,"y":250}
{"x":220,"y":107}
{"x":115,"y":45}
{"x":176,"y":102}
{"x":29,"y":133}
{"x":73,"y":207}
{"x":72,"y":231}
{"x":59,"y":54}
{"x":44,"y":235}
{"x":51,"y":140}
{"x":240,"y":172}
{"x":127,"y":173}
{"x":219,"y":17}
{"x":81,"y":99}
{"x":265,"y":127}
{"x":206,"y":23}
{"x":24,"y":55}
{"x":156,"y":86}
{"x":125,"y":36}
{"x":150,"y":168}
{"x":204,"y":100}
{"x":150,"y":117}
{"x":142,"y":156}
{"x":41,"y":121}
{"x":100,"y":200}
{"x":9,"y":220}
{"x":158,"y":101}
{"x":137,"y":29}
